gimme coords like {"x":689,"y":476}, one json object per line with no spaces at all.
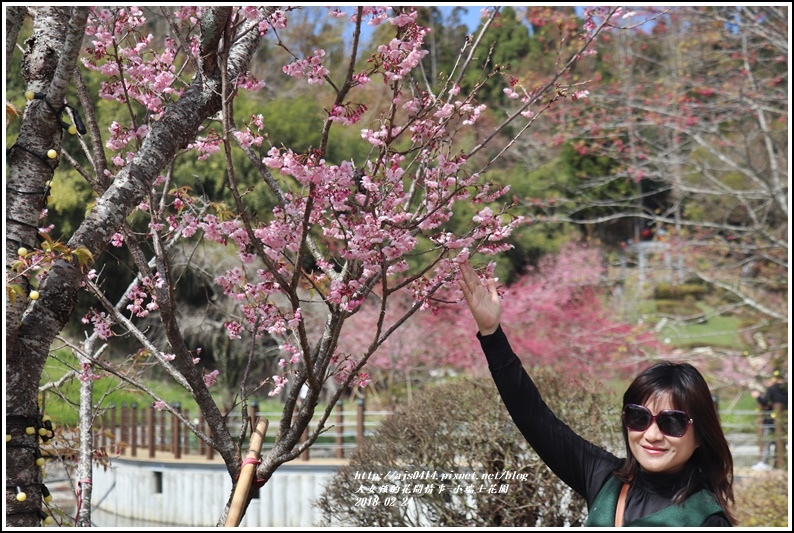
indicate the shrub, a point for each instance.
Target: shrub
{"x":462,"y":428}
{"x":665,"y":291}
{"x":762,"y":499}
{"x":678,"y":308}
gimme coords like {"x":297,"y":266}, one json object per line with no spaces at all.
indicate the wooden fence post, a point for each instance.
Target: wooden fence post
{"x":340,"y":436}
{"x":142,"y":426}
{"x":163,"y":433}
{"x":780,"y":450}
{"x":115,"y":442}
{"x":360,"y":421}
{"x":761,"y":439}
{"x":123,"y":435}
{"x":134,"y":429}
{"x":186,"y":437}
{"x":175,"y":433}
{"x":150,"y":434}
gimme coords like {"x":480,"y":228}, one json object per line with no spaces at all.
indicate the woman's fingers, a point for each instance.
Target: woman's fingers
{"x":465,"y":288}
{"x":470,"y":282}
{"x":492,"y":288}
{"x":469,"y":275}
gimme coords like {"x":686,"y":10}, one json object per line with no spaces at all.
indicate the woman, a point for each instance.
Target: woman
{"x":678,"y":471}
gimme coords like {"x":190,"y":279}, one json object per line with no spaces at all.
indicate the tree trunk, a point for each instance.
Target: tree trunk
{"x":30,"y":329}
{"x":51,"y":56}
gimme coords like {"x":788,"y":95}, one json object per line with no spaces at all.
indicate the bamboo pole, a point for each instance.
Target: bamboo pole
{"x":246,"y":475}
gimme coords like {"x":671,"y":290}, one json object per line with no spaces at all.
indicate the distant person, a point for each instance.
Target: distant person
{"x":678,"y":469}
{"x":767,"y":430}
{"x":776,"y":393}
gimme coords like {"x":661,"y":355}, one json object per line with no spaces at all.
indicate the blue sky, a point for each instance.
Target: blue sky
{"x":471,"y":18}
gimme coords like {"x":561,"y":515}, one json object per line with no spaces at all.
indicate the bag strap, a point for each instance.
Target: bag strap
{"x":621,"y":505}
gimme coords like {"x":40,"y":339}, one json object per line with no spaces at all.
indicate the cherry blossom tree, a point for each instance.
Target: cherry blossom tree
{"x":561,"y":314}
{"x":682,"y":152}
{"x":339,"y":232}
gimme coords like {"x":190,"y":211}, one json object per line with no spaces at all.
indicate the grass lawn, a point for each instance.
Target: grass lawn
{"x":718,"y":330}
{"x":61,"y":402}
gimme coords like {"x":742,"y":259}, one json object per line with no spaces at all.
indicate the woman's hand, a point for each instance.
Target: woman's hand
{"x":484,"y":303}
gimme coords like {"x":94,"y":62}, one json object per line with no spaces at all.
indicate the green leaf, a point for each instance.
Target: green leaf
{"x":13,"y":291}
{"x":84,"y":256}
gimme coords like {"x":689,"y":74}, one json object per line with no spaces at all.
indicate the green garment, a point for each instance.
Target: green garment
{"x":692,"y":513}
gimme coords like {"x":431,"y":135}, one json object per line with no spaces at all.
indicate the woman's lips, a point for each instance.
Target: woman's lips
{"x":653,"y":451}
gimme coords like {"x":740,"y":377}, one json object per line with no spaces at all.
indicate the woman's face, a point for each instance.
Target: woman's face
{"x":657,"y":452}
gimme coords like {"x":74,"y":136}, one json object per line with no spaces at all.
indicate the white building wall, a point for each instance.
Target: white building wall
{"x":195,"y":494}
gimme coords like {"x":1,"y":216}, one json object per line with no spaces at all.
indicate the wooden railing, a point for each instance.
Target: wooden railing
{"x":763,"y":440}
{"x":132,"y":431}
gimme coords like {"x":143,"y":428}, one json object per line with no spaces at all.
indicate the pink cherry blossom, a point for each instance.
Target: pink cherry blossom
{"x":279,"y":383}
{"x":211,"y":378}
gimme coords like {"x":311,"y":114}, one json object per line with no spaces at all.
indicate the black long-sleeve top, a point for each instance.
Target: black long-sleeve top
{"x":580,"y":464}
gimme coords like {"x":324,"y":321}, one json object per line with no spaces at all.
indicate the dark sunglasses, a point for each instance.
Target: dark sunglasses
{"x":671,"y":423}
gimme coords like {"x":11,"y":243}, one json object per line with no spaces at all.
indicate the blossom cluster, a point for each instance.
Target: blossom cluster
{"x":101,"y":322}
{"x":87,"y":373}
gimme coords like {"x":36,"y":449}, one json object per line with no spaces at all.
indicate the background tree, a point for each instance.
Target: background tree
{"x":447,"y":32}
{"x":508,"y":41}
{"x":716,"y":162}
{"x":339,"y":230}
{"x":689,"y":135}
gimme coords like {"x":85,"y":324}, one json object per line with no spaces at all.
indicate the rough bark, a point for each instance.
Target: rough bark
{"x":15,"y":16}
{"x":51,"y":55}
{"x":84,"y":463}
{"x":48,"y":66}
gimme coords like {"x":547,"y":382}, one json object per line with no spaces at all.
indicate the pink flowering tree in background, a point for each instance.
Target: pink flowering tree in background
{"x":371,"y":228}
{"x":560,"y":315}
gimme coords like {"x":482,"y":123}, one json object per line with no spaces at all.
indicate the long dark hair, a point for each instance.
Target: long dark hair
{"x":711,"y":466}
